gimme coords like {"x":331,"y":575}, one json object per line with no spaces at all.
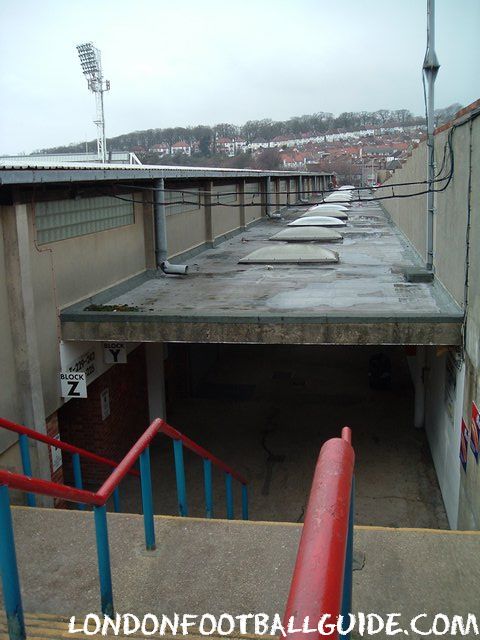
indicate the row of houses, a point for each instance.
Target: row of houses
{"x":226,"y":146}
{"x":233,"y":146}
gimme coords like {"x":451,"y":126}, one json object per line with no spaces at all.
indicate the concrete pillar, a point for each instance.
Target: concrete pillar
{"x":21,"y":309}
{"x":241,"y":199}
{"x":149,"y":230}
{"x":419,"y":385}
{"x":208,"y":213}
{"x":300,"y":188}
{"x":268,"y":196}
{"x":155,"y":356}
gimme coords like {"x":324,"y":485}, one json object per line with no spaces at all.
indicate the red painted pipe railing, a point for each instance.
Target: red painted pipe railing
{"x":193,"y":446}
{"x":114,"y":479}
{"x":60,"y":444}
{"x":48,"y":488}
{"x":100,"y":497}
{"x":316,"y":588}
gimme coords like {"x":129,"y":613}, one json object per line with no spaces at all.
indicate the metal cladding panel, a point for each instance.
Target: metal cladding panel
{"x":317,"y":221}
{"x":291,"y":254}
{"x":307,"y":234}
{"x":340,"y":215}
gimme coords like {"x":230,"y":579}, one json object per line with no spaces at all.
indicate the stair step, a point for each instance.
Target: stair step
{"x":47,"y":626}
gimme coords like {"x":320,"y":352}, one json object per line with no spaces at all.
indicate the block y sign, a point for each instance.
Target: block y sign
{"x":73,"y":385}
{"x":114,"y":353}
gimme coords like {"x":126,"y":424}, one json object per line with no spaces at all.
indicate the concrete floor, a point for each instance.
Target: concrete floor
{"x":216,"y":566}
{"x":267,"y":410}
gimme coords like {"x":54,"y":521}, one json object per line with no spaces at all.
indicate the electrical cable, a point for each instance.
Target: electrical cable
{"x":448,"y":146}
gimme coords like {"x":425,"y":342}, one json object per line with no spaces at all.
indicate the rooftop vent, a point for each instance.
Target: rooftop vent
{"x":308,"y":234}
{"x":338,"y":197}
{"x":321,"y":208}
{"x":334,"y":213}
{"x":317,"y":221}
{"x":291,"y":254}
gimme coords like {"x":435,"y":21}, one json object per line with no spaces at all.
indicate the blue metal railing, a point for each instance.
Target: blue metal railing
{"x":25,"y":435}
{"x":179,"y":442}
{"x":98,"y":500}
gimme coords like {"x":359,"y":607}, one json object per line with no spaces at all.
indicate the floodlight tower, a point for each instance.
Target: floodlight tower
{"x":91,"y":61}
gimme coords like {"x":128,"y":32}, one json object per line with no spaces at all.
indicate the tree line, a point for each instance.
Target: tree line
{"x":316,"y":124}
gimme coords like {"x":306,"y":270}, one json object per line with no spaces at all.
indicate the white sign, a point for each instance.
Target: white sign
{"x":85,"y":363}
{"x":105,"y":403}
{"x":56,"y":456}
{"x":73,"y":385}
{"x":114,"y":353}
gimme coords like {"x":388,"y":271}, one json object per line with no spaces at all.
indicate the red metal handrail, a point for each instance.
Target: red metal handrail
{"x":317,"y":582}
{"x":48,"y":488}
{"x":71,"y":494}
{"x":193,"y":446}
{"x":114,"y":479}
{"x":60,"y":444}
{"x":100,"y":497}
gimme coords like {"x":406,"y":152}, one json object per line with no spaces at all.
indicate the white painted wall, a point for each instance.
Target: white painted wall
{"x":443,"y":431}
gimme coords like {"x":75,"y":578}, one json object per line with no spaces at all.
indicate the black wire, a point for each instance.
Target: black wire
{"x":447,"y":179}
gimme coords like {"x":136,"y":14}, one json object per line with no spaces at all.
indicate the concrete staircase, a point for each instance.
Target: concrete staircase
{"x":222,"y":566}
{"x":45,"y":626}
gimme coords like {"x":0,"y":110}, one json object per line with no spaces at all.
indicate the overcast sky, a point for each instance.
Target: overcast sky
{"x":180,"y":63}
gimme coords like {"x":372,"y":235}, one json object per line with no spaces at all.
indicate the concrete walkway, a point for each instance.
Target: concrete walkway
{"x":297,"y":398}
{"x":219,"y":566}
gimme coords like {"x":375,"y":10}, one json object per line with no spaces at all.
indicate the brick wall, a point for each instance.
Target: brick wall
{"x":81,"y":423}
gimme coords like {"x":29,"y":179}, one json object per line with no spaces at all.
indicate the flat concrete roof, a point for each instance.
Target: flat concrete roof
{"x":364,"y":299}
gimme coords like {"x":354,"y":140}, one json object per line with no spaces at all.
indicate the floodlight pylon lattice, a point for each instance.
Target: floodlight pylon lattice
{"x":91,"y":63}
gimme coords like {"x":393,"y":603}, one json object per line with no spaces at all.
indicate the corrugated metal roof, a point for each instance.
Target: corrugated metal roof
{"x":32,"y":172}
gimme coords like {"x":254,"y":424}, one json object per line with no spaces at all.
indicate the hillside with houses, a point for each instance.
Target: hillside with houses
{"x":361,"y":147}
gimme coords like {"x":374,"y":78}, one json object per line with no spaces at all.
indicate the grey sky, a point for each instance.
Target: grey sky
{"x":175,"y":63}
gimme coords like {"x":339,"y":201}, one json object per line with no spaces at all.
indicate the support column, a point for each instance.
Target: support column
{"x":21,"y":309}
{"x":300,"y":188}
{"x":241,"y":199}
{"x":419,"y":410}
{"x":155,"y":357}
{"x":276,"y":184}
{"x":268,"y":196}
{"x":208,"y":213}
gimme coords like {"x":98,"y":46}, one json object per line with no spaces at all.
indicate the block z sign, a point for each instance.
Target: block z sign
{"x":73,"y":384}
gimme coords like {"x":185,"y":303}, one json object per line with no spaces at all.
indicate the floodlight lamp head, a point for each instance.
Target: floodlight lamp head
{"x":90,"y":60}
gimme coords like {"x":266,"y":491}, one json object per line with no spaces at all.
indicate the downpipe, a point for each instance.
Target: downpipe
{"x":268,"y":202}
{"x":174,"y":269}
{"x":160,"y":219}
